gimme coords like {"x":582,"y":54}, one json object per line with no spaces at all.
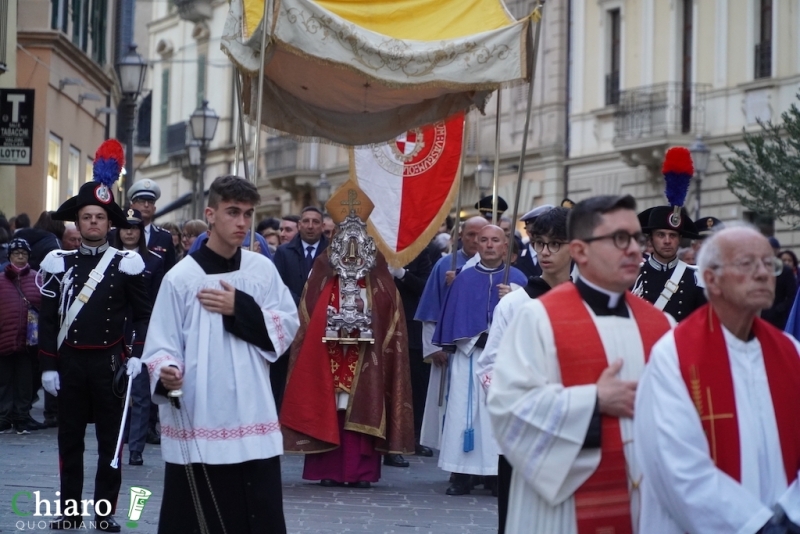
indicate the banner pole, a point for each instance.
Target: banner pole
{"x":496,"y":160}
{"x":537,"y":16}
{"x":241,"y":139}
{"x":259,"y":109}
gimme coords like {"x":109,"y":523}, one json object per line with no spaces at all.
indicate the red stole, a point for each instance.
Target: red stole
{"x":708,"y":378}
{"x":602,"y":503}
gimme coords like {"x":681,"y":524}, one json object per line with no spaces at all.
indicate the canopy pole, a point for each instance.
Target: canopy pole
{"x":496,"y":159}
{"x":458,"y":197}
{"x":259,"y":110}
{"x":241,"y":139}
{"x":536,"y":16}
{"x":457,"y":223}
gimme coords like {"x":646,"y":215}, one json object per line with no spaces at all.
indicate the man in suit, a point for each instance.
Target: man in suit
{"x":143,"y":196}
{"x":527,"y":262}
{"x":293,"y":261}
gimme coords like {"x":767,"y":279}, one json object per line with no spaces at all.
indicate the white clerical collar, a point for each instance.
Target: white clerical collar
{"x":657,"y":265}
{"x":613,"y":296}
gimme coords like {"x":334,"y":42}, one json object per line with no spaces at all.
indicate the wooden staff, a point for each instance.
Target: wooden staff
{"x":536,"y":16}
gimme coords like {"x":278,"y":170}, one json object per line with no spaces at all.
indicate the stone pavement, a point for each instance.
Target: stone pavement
{"x":404,"y":501}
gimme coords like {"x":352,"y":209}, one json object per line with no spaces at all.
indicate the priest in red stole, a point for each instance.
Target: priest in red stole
{"x":562,"y":392}
{"x":717,"y":426}
{"x":348,"y":398}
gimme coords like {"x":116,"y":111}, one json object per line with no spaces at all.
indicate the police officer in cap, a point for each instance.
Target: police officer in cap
{"x":143,"y":195}
{"x":86,"y":296}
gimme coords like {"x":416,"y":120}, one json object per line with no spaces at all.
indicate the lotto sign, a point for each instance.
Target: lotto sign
{"x":16,"y":126}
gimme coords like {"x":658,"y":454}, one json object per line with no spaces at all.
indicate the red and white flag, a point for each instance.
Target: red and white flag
{"x":412,"y":181}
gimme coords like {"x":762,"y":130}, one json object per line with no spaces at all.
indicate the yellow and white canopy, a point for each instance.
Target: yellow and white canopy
{"x":359,"y":72}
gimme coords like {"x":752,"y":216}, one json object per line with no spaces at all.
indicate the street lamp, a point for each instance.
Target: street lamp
{"x":203,"y":124}
{"x":323,"y":189}
{"x":131,"y":71}
{"x":700,"y":158}
{"x":484,"y":174}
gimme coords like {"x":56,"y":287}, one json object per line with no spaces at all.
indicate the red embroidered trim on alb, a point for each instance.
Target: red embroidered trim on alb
{"x":220,"y":434}
{"x":276,"y":320}
{"x":151,"y":366}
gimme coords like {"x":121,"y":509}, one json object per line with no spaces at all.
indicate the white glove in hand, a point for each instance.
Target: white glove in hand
{"x":51,"y":383}
{"x":397,"y":272}
{"x":134,"y":367}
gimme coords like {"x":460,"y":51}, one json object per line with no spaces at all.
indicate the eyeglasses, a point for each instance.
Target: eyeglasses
{"x":621,"y":238}
{"x":552,"y":246}
{"x":749,"y":266}
{"x":18,"y":253}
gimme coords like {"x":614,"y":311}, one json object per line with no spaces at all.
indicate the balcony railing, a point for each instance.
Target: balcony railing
{"x":763,"y":60}
{"x":612,"y":88}
{"x":670,"y":108}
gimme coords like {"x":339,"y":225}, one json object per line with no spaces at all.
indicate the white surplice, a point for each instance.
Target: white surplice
{"x":541,"y":426}
{"x":227,"y":412}
{"x":482,"y":460}
{"x":683,"y":491}
{"x":501,"y":317}
{"x":431,"y":433}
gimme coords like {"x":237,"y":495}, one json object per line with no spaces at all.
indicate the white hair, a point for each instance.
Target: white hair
{"x":70,"y":226}
{"x":442,"y":241}
{"x":709,"y":257}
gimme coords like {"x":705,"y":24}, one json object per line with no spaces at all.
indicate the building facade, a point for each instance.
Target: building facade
{"x":63,"y":52}
{"x":647,"y":75}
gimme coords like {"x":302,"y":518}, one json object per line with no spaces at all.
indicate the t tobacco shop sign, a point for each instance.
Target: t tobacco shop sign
{"x":16,"y":126}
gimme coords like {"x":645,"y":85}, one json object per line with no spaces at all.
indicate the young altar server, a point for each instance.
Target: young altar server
{"x":716,"y":426}
{"x":561,"y":399}
{"x":222,"y":316}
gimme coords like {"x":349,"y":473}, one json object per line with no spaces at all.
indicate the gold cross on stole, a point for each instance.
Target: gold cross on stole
{"x":712,"y":417}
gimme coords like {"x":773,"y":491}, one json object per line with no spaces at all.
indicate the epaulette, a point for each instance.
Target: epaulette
{"x":53,"y":263}
{"x":130,"y":262}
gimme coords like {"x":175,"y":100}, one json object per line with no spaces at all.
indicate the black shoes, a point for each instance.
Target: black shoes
{"x":460,"y":484}
{"x":21,"y":428}
{"x":32,"y":424}
{"x":50,"y":422}
{"x":395,"y":460}
{"x":328,"y":483}
{"x":153,"y":438}
{"x":421,"y":450}
{"x":107,"y":523}
{"x":361,"y":484}
{"x":135,"y":458}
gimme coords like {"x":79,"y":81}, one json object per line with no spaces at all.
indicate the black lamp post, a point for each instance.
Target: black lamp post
{"x":700,"y":158}
{"x":131,"y":71}
{"x":203,"y":123}
{"x":323,"y":189}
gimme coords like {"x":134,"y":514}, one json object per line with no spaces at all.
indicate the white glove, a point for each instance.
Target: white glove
{"x":134,"y":367}
{"x":51,"y":383}
{"x":397,"y":272}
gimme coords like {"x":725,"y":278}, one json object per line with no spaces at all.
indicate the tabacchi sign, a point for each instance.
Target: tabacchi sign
{"x":16,"y":126}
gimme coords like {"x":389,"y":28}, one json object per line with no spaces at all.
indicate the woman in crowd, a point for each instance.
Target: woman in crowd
{"x":789,"y":258}
{"x":19,"y":304}
{"x":191,"y":231}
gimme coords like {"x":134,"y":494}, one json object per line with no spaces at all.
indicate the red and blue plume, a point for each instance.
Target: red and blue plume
{"x":108,"y":162}
{"x":678,"y":170}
